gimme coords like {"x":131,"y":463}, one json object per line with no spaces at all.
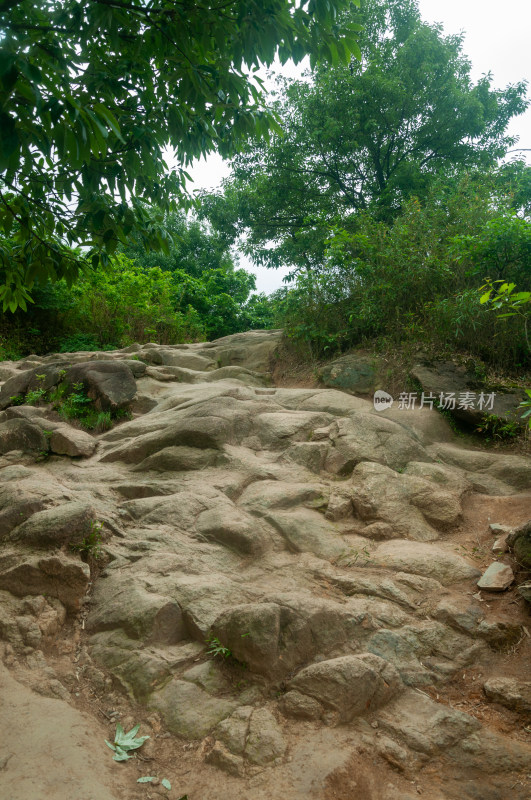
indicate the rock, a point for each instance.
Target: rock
{"x":353,"y":373}
{"x":424,"y":725}
{"x":307,"y":531}
{"x":20,"y":434}
{"x":424,"y":652}
{"x":68,"y":523}
{"x":438,"y":377}
{"x":204,"y":434}
{"x":252,"y":350}
{"x":379,"y":531}
{"x":496,"y":578}
{"x":349,"y":685}
{"x":366,"y":436}
{"x":142,"y":614}
{"x":278,"y":430}
{"x":498,"y":529}
{"x":491,"y":473}
{"x":415,"y":508}
{"x":233,"y":730}
{"x":271,"y":639}
{"x":233,"y":528}
{"x":180,"y":459}
{"x":423,"y":559}
{"x":180,"y":358}
{"x":67,"y":441}
{"x":265,"y":741}
{"x":519,"y":542}
{"x":188,"y":710}
{"x":525,"y":590}
{"x":208,"y":676}
{"x":509,"y":692}
{"x":60,"y":575}
{"x":301,"y":706}
{"x":223,"y":759}
{"x":500,"y":546}
{"x":109,"y":384}
{"x":470,"y":618}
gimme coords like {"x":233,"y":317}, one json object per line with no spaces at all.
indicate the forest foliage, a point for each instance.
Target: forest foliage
{"x":384,"y":181}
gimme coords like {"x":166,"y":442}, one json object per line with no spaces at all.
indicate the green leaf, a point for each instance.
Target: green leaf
{"x":147,"y":779}
{"x":165,"y":782}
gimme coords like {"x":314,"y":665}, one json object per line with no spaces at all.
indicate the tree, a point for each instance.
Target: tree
{"x":192,"y":249}
{"x":365,"y":137}
{"x":93,"y":91}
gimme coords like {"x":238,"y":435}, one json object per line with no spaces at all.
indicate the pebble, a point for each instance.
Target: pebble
{"x":374,"y":724}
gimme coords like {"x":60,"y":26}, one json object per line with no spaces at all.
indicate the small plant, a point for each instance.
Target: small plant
{"x":496,"y":427}
{"x":16,"y":400}
{"x":215,"y":648}
{"x":34,"y":396}
{"x":74,"y":405}
{"x":125,"y":742}
{"x":90,"y":546}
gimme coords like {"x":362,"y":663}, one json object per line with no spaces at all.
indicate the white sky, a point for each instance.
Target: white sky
{"x":496,"y":40}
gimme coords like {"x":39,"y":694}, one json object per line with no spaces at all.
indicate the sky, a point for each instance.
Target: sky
{"x":496,"y":40}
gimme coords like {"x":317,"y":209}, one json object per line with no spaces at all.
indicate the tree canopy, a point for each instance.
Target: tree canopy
{"x":364,"y":137}
{"x":93,"y":91}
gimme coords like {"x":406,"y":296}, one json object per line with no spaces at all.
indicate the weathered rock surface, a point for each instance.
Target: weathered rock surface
{"x":276,"y":569}
{"x":509,"y":692}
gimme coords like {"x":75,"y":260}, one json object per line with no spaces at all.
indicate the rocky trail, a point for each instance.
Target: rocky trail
{"x":279,"y":584}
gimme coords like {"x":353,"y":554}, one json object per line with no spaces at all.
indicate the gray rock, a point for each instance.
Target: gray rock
{"x":301,"y":706}
{"x":423,"y":559}
{"x":509,"y":692}
{"x":349,"y":685}
{"x":447,"y":376}
{"x":64,"y":524}
{"x":353,"y":373}
{"x":67,"y":441}
{"x":498,"y":529}
{"x":233,"y":528}
{"x":520,"y":543}
{"x":496,"y":578}
{"x":188,"y":710}
{"x":109,"y":384}
{"x":265,"y":741}
{"x":62,"y":576}
{"x":20,"y":434}
{"x":525,"y":590}
{"x":424,"y":725}
{"x":416,"y":508}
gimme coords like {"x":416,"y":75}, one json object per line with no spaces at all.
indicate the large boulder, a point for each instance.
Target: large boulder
{"x":68,"y":523}
{"x":349,"y":685}
{"x":109,"y":384}
{"x":356,"y":373}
